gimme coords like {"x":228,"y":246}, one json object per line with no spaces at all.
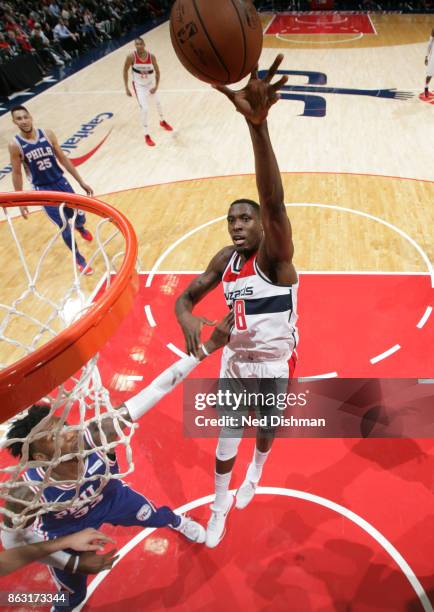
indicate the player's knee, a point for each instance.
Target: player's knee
{"x":227,"y":447}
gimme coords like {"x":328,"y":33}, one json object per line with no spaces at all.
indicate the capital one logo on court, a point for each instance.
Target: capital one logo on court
{"x":315,"y":105}
{"x":73,"y":142}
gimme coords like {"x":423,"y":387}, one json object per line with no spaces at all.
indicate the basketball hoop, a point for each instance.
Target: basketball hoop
{"x":59,"y":338}
{"x":43,"y":369}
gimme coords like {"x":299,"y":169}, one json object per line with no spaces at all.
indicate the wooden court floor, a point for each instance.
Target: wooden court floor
{"x":369,"y":155}
{"x":359,"y":184}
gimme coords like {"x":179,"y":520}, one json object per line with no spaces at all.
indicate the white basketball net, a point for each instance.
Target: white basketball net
{"x":33,"y":316}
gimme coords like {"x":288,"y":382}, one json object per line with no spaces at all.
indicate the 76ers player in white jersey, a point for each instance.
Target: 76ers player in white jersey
{"x":146,"y":79}
{"x":260,"y":284}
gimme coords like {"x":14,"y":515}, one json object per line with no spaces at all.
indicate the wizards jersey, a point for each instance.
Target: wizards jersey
{"x":91,"y":514}
{"x":265,"y":313}
{"x":143,"y":70}
{"x":39,"y":159}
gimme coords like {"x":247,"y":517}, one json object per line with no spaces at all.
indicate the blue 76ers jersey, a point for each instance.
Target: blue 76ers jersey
{"x":69,"y":520}
{"x":39,"y":159}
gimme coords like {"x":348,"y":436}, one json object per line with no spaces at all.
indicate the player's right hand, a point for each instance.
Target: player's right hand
{"x":87,"y":539}
{"x":192,"y":327}
{"x":258,"y":96}
{"x":128,"y":92}
{"x":24,"y":212}
{"x":91,"y":563}
{"x":426,"y":61}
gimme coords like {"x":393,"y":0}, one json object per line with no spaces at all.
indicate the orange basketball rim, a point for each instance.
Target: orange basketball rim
{"x":35,"y":375}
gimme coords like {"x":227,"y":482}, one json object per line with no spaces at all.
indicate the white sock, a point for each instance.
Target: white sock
{"x":254,"y":470}
{"x":222,"y":482}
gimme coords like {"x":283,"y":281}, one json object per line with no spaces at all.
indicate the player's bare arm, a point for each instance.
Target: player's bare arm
{"x":143,"y":401}
{"x":195,"y":292}
{"x":17,"y":175}
{"x":254,"y":102}
{"x":157,"y":73}
{"x":85,"y":540}
{"x":129,"y":61}
{"x":66,"y":163}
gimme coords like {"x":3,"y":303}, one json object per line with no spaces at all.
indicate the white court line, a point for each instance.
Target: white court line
{"x":425,"y":317}
{"x":387,"y":353}
{"x":264,"y":32}
{"x":319,"y":42}
{"x":372,"y":24}
{"x":310,"y":497}
{"x":318,"y":376}
{"x":149,"y":316}
{"x":97,"y":287}
{"x":176,"y":350}
{"x":175,"y":244}
{"x":307,"y":205}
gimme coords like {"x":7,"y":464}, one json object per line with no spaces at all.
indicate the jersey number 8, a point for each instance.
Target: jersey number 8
{"x":240,"y":315}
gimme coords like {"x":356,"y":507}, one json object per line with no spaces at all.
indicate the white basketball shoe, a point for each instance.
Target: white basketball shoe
{"x":245,"y":494}
{"x":215,"y":529}
{"x":192,"y":530}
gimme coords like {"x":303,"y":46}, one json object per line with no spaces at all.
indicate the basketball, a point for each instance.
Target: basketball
{"x":217,"y":44}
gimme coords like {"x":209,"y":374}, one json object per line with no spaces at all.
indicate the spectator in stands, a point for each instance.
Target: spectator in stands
{"x":54,"y":44}
{"x":5,"y":48}
{"x":54,"y":9}
{"x":103,"y":22}
{"x":10,"y":25}
{"x":22,"y":45}
{"x":69,"y":40}
{"x":41,"y":44}
{"x":88,"y":27}
{"x":13,"y":45}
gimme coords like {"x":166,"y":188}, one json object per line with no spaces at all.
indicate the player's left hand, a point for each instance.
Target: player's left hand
{"x":258,"y":96}
{"x":87,"y":188}
{"x":153,"y":90}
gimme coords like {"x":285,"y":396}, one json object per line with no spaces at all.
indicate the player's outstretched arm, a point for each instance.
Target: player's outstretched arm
{"x":141,"y":403}
{"x":254,"y":102}
{"x":85,"y":540}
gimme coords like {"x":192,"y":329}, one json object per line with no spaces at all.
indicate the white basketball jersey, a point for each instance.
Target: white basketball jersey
{"x":143,"y":70}
{"x":265,"y":313}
